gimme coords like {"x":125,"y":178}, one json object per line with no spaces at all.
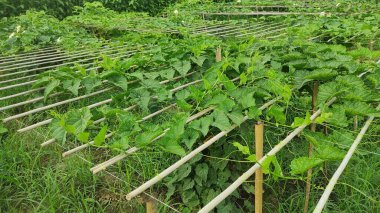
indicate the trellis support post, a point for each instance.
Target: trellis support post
{"x":150,"y":207}
{"x":313,"y":128}
{"x":259,"y":143}
{"x":218,"y":54}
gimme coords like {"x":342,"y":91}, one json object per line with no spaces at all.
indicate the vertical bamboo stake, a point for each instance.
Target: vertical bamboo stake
{"x":259,"y":140}
{"x":313,"y":127}
{"x":150,"y":207}
{"x":218,"y":54}
{"x":355,"y":123}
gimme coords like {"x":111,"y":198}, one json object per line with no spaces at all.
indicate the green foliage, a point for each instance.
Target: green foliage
{"x":33,"y":30}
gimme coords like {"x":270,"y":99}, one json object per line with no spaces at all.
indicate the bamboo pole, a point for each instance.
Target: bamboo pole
{"x":313,"y":128}
{"x":63,"y":59}
{"x":325,"y":196}
{"x":259,"y":140}
{"x":128,"y":53}
{"x":54,"y":105}
{"x":218,"y":54}
{"x":248,"y":28}
{"x":61,"y":55}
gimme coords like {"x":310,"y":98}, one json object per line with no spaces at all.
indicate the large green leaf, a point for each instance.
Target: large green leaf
{"x":327,"y":152}
{"x":101,"y":136}
{"x":72,"y":86}
{"x":183,"y":67}
{"x":302,"y":164}
{"x":50,"y":87}
{"x":202,"y":124}
{"x":220,"y":120}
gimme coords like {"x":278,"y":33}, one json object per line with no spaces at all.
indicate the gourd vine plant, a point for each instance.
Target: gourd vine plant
{"x":34,"y":30}
{"x":265,"y":69}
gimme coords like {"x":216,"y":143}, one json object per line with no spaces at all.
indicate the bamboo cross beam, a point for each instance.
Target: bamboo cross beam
{"x":55,"y":105}
{"x":46,"y":53}
{"x":115,"y":55}
{"x":250,"y":31}
{"x":211,"y":205}
{"x":130,"y":52}
{"x":247,"y":28}
{"x":92,"y":57}
{"x":39,"y":51}
{"x":118,"y":55}
{"x":59,"y":58}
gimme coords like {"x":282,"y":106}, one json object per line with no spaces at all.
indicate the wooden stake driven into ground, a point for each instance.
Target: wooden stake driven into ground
{"x":313,"y":127}
{"x":259,"y":143}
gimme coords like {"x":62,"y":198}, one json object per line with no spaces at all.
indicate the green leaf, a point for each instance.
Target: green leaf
{"x":277,"y":113}
{"x":201,"y":170}
{"x":327,"y":91}
{"x":323,"y":117}
{"x":241,"y":148}
{"x":244,"y":96}
{"x":188,"y":183}
{"x":202,"y":124}
{"x":145,"y":138}
{"x":338,"y":116}
{"x":321,"y":74}
{"x":236,"y":117}
{"x":78,"y":119}
{"x":183,"y":172}
{"x":173,"y":147}
{"x":301,"y":121}
{"x":227,"y":83}
{"x":72,"y":86}
{"x":251,"y":158}
{"x":254,"y":112}
{"x":83,"y":137}
{"x":100,"y":138}
{"x":190,"y":137}
{"x":183,"y":67}
{"x":243,"y":79}
{"x":167,"y":73}
{"x":50,"y":87}
{"x":90,"y":83}
{"x":272,"y":160}
{"x":58,"y":131}
{"x":222,"y":102}
{"x":302,"y":164}
{"x":198,"y":60}
{"x":119,"y":81}
{"x":220,"y":120}
{"x":327,"y":152}
{"x":3,"y":130}
{"x":184,"y":105}
{"x":170,"y":141}
{"x":190,"y":198}
{"x":360,"y":108}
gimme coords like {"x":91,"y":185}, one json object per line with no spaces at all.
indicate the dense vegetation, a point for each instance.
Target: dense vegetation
{"x":343,"y":60}
{"x":61,"y":8}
